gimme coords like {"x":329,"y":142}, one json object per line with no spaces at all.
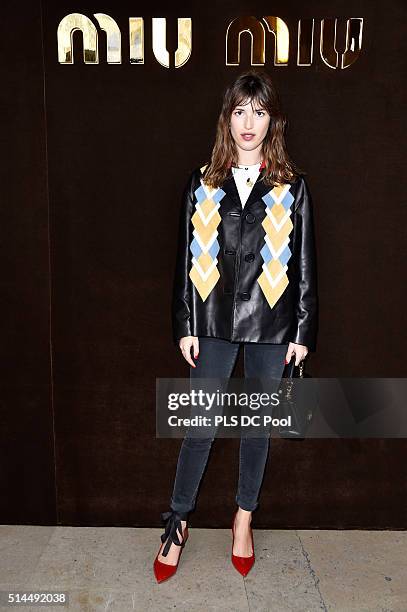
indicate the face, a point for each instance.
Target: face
{"x":247,"y":120}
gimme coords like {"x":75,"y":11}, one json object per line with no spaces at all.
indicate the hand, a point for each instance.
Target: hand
{"x":185,"y":344}
{"x":299,"y":350}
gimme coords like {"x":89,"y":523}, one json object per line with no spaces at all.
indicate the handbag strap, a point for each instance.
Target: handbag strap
{"x":290,"y":368}
{"x":290,"y":371}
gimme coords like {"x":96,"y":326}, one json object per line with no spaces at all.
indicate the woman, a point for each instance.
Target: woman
{"x":245,"y":275}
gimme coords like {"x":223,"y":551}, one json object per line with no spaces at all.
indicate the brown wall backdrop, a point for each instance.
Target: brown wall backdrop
{"x":93,"y":162}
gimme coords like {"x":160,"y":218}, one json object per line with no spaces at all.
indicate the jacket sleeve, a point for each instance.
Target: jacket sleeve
{"x":306,"y":313}
{"x":180,"y":307}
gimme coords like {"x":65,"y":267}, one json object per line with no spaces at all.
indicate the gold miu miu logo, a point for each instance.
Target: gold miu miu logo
{"x":309,"y":34}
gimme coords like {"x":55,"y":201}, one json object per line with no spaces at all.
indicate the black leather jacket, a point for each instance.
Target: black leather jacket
{"x":246,"y":274}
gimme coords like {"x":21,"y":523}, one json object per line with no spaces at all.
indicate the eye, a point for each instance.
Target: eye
{"x":262,"y":112}
{"x":238,"y":111}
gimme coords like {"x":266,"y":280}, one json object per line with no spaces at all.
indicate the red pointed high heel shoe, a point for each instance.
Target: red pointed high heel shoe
{"x":163,"y":571}
{"x":242,"y":564}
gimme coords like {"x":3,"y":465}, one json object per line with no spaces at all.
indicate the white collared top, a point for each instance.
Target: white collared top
{"x":241,"y":173}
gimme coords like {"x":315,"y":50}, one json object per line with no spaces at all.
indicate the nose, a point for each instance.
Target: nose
{"x":248,"y":124}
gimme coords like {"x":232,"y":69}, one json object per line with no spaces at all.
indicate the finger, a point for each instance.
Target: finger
{"x":288,"y":355}
{"x":187,"y":355}
{"x":188,"y":358}
{"x":196,"y":347}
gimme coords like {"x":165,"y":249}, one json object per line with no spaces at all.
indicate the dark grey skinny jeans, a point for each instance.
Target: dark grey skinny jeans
{"x":217,"y":358}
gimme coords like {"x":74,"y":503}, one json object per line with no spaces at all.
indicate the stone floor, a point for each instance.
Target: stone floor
{"x":106,"y":568}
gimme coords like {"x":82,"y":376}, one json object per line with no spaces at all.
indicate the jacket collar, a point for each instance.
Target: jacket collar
{"x":258,"y":190}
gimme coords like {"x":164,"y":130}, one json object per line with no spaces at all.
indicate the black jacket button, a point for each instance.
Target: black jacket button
{"x":245,"y":296}
{"x":249,"y":257}
{"x":250,"y":218}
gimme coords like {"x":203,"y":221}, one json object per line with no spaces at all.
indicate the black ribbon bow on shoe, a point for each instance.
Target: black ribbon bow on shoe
{"x":173,"y":520}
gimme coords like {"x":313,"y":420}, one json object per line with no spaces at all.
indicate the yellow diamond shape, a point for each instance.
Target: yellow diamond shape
{"x":278,"y":211}
{"x":272,"y":293}
{"x":205,"y":260}
{"x":274,"y":266}
{"x":207,"y":206}
{"x":205,"y":231}
{"x":277,"y":238}
{"x":204,"y":287}
{"x":278,"y":190}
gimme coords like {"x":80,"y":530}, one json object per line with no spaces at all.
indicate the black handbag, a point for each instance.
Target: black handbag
{"x":294,"y":402}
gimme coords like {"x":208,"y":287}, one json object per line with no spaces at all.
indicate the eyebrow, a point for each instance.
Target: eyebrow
{"x":257,"y":109}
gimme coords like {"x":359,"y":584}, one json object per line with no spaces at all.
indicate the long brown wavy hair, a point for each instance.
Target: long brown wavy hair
{"x":257,"y":88}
